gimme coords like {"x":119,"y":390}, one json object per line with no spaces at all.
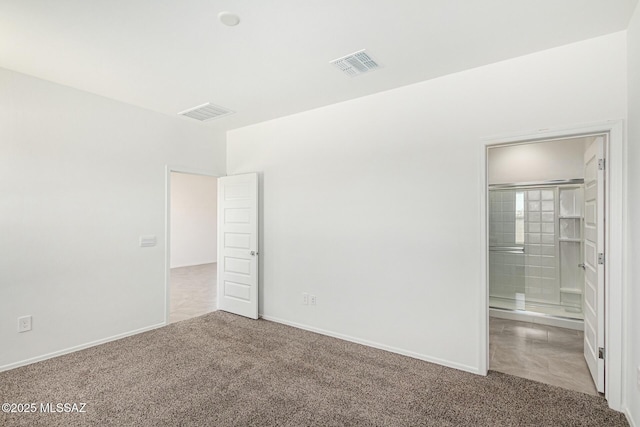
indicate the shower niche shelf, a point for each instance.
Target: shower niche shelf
{"x":570,"y":229}
{"x":570,"y":224}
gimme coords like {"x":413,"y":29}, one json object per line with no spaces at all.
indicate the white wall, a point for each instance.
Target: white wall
{"x":544,"y":161}
{"x":633,"y":331}
{"x":373,"y":205}
{"x":193,"y":219}
{"x":81,"y":178}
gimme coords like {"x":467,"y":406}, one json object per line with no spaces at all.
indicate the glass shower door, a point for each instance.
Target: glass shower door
{"x":535,"y":245}
{"x":507,"y":284}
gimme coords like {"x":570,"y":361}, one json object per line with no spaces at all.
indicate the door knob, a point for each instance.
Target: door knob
{"x":253,"y":253}
{"x":582,"y":266}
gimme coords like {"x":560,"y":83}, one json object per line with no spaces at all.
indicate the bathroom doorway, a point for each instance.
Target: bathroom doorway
{"x":546,"y":312}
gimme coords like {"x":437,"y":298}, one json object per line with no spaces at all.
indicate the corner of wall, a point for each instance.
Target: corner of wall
{"x":632,"y":320}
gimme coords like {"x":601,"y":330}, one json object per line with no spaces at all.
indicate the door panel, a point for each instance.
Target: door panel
{"x":238,"y":244}
{"x":594,"y":272}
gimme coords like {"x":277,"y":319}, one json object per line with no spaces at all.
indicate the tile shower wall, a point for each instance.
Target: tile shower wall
{"x":541,"y":265}
{"x":526,"y":218}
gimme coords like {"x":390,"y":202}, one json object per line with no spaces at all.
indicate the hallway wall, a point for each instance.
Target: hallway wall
{"x":194,"y":219}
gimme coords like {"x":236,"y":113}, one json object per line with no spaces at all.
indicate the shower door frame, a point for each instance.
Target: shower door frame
{"x":616,"y":282}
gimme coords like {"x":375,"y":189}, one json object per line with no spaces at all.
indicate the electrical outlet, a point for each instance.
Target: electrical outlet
{"x":305,"y":298}
{"x":312,"y":299}
{"x":24,"y":324}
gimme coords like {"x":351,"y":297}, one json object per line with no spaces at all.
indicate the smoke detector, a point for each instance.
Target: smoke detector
{"x":206,"y":112}
{"x":356,"y":63}
{"x":229,"y":19}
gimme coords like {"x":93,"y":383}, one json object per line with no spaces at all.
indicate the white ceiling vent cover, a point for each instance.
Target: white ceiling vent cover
{"x":356,"y":63}
{"x":206,"y":112}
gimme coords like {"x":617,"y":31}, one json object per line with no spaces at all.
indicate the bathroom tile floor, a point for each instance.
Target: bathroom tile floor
{"x":541,"y":353}
{"x":192,"y":291}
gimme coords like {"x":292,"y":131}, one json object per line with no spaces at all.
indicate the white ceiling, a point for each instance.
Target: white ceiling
{"x":170,"y":55}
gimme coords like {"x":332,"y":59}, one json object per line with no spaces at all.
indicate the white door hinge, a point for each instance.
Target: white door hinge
{"x":601,"y":258}
{"x":601,"y":164}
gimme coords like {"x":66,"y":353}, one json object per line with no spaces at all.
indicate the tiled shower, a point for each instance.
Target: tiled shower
{"x":535,"y":249}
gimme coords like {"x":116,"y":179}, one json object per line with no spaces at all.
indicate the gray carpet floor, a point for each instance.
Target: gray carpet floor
{"x":223,"y":370}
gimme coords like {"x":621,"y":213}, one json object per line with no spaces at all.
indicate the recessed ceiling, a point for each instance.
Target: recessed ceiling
{"x":168,"y":55}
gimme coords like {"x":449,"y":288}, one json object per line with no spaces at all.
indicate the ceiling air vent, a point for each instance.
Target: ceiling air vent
{"x":356,"y":63}
{"x":206,"y":112}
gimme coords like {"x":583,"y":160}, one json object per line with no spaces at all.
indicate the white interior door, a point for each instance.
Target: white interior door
{"x":238,"y":244}
{"x":594,"y":260}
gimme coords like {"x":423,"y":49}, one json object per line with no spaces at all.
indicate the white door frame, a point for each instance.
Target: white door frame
{"x":615,"y":241}
{"x":167,"y":227}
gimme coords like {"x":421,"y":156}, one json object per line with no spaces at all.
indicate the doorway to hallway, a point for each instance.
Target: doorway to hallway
{"x":193,"y":291}
{"x":193,"y":245}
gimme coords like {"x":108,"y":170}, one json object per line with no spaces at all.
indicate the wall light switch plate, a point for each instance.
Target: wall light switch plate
{"x":312,"y":299}
{"x":148,"y":241}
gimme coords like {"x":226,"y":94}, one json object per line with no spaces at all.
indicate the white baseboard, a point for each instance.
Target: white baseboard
{"x":373,"y":344}
{"x":78,"y":347}
{"x":215,"y":261}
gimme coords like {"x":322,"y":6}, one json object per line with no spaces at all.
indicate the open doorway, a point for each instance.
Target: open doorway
{"x":192,"y":239}
{"x":546,"y":311}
